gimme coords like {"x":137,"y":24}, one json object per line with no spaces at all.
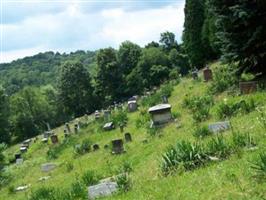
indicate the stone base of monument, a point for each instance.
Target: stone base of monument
{"x":102,"y":189}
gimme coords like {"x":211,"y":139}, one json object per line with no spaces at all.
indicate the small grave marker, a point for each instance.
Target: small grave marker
{"x":219,"y":126}
{"x":19,"y":161}
{"x":44,"y":140}
{"x":54,"y":139}
{"x":67,"y":127}
{"x":47,"y":167}
{"x":164,"y":99}
{"x":207,"y":74}
{"x":95,"y":147}
{"x":128,"y":137}
{"x":109,"y":126}
{"x":102,"y":189}
{"x":132,"y":105}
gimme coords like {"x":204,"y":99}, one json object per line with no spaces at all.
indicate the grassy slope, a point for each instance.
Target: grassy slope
{"x":229,"y":179}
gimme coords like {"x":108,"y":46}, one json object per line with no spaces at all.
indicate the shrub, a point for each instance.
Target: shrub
{"x":143,"y":119}
{"x":187,"y":154}
{"x":224,"y":77}
{"x":218,"y":147}
{"x":243,"y":140}
{"x":120,"y":117}
{"x":262,"y":116}
{"x":78,"y":190}
{"x":123,"y":181}
{"x":83,"y":148}
{"x":44,"y":193}
{"x":90,"y":178}
{"x":126,"y":167}
{"x":55,"y":150}
{"x":259,"y":167}
{"x":199,"y":106}
{"x":227,"y":109}
{"x":69,"y":166}
{"x":202,"y":131}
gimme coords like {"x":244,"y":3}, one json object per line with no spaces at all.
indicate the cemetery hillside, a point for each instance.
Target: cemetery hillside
{"x":163,"y":121}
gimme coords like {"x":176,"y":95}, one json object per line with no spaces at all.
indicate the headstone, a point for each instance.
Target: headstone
{"x":195,"y":74}
{"x":117,"y":146}
{"x":67,"y":127}
{"x":54,"y":139}
{"x":48,"y":127}
{"x":219,"y":126}
{"x":132,"y":105}
{"x":95,"y":147}
{"x":102,"y":189}
{"x":47,"y":167}
{"x":17,"y":155}
{"x":44,"y":140}
{"x":19,"y":161}
{"x":107,"y":115}
{"x":22,"y":188}
{"x":47,"y":134}
{"x":128,"y":137}
{"x":160,"y":114}
{"x":26,"y":142}
{"x":164,"y":99}
{"x":76,"y":128}
{"x":248,"y":87}
{"x":109,"y":126}
{"x":207,"y":74}
{"x":97,"y":114}
{"x":23,"y":149}
{"x":44,"y":178}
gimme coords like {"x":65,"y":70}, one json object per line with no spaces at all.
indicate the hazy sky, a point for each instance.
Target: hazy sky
{"x":32,"y":26}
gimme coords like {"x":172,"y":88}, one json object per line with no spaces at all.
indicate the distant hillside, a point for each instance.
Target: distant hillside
{"x":40,"y":69}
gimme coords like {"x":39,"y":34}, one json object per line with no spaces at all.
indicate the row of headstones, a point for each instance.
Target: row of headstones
{"x":117,"y":144}
{"x":246,"y":87}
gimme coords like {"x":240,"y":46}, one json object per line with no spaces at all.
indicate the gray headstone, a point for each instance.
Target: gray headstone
{"x":102,"y":189}
{"x":22,"y":188}
{"x":48,"y":167}
{"x":219,"y":126}
{"x":19,"y":161}
{"x":108,"y":126}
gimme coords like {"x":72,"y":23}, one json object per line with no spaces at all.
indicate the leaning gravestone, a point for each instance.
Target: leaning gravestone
{"x":47,"y":167}
{"x":108,"y":126}
{"x":102,"y":189}
{"x":219,"y":126}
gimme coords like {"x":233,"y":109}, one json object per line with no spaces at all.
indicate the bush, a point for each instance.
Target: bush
{"x":202,"y":131}
{"x":119,"y":117}
{"x":227,"y":109}
{"x":69,"y":166}
{"x":55,"y":150}
{"x":259,"y":167}
{"x":126,"y":167}
{"x":218,"y":147}
{"x":143,"y":119}
{"x":262,"y":116}
{"x":187,"y":154}
{"x":123,"y":182}
{"x":83,"y":148}
{"x":199,"y":106}
{"x":44,"y":193}
{"x":224,"y":77}
{"x":243,"y":140}
{"x":78,"y":191}
{"x":90,"y":178}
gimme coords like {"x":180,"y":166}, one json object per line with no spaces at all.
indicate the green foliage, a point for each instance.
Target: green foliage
{"x":75,"y":90}
{"x":227,"y":109}
{"x":194,"y":19}
{"x":262,"y":116}
{"x":259,"y":166}
{"x":78,"y":191}
{"x":4,"y":115}
{"x":143,"y":119}
{"x":199,"y":106}
{"x":224,"y":77}
{"x":44,"y":193}
{"x":55,"y":150}
{"x":168,"y":41}
{"x":119,"y":117}
{"x":247,"y":76}
{"x":83,"y":148}
{"x":90,"y":177}
{"x":123,"y":181}
{"x":243,"y":140}
{"x":218,"y":147}
{"x":240,"y":28}
{"x":189,"y":155}
{"x":201,"y":131}
{"x":180,"y":62}
{"x":69,"y":166}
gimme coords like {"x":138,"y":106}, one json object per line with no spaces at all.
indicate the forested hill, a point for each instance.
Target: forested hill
{"x":40,"y":69}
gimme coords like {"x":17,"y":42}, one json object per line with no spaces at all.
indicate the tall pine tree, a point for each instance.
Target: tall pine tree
{"x":194,"y":19}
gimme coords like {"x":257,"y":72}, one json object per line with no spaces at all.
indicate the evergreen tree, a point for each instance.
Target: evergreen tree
{"x":241,"y":31}
{"x":194,"y":19}
{"x":4,"y":115}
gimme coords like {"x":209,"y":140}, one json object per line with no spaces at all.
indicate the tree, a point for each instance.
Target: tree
{"x":128,"y":56}
{"x":179,"y":61}
{"x":241,"y":30}
{"x":168,"y":41}
{"x":158,"y":74}
{"x":152,"y":44}
{"x":75,"y":89}
{"x":30,"y":113}
{"x":109,"y":76}
{"x":194,"y":19}
{"x":4,"y":115}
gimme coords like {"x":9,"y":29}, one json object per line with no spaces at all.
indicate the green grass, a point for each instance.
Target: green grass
{"x":230,"y":178}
